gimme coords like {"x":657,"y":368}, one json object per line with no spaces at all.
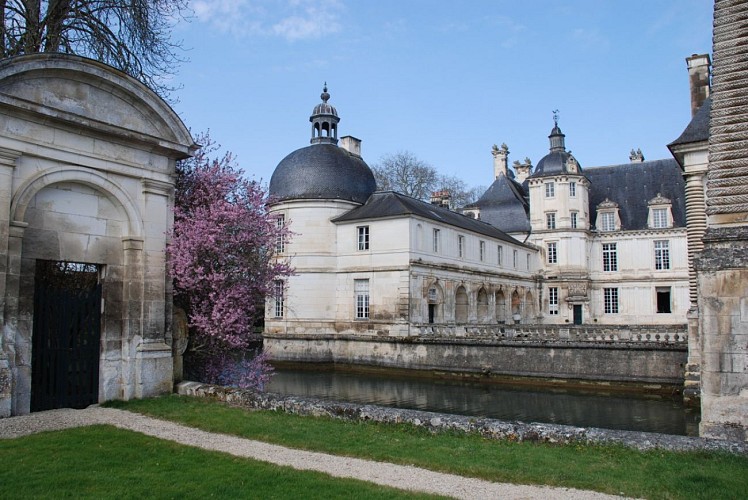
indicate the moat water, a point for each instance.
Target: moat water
{"x":582,"y":409}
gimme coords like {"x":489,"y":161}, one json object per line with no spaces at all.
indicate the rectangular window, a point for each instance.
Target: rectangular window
{"x":574,"y":220}
{"x":608,"y":222}
{"x":659,"y":218}
{"x":278,"y":296}
{"x":550,"y":220}
{"x":572,"y":189}
{"x":553,"y":300}
{"x":514,"y":259}
{"x":500,"y":255}
{"x":280,"y":240}
{"x":610,"y":257}
{"x":662,"y":254}
{"x":610,"y":296}
{"x":437,"y":240}
{"x":461,"y":246}
{"x":361,"y":292}
{"x":663,"y":299}
{"x":363,"y":237}
{"x":552,"y":254}
{"x":550,"y":189}
{"x":527,"y":261}
{"x":482,"y":250}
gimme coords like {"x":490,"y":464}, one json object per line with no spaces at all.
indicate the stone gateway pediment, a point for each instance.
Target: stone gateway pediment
{"x":88,"y":94}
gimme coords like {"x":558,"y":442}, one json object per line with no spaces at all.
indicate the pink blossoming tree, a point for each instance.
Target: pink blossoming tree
{"x":223,"y":265}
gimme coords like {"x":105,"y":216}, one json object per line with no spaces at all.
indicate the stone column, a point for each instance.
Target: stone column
{"x":722,"y":266}
{"x":696,"y":226}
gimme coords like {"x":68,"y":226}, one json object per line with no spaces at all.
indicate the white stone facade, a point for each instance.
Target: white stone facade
{"x":87,"y":160}
{"x":399,"y":266}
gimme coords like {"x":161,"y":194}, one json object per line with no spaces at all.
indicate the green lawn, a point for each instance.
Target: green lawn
{"x":610,"y":469}
{"x":106,"y":462}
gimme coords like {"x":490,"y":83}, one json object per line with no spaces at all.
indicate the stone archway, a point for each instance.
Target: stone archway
{"x":87,"y":156}
{"x":516,"y":306}
{"x":461,"y":305}
{"x":501,"y":315}
{"x":435,"y":303}
{"x":482,"y":303}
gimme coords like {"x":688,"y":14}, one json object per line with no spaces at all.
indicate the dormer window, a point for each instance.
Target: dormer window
{"x":660,"y":212}
{"x":607,"y":216}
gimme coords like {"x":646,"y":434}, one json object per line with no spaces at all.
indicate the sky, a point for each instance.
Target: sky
{"x":443,"y":80}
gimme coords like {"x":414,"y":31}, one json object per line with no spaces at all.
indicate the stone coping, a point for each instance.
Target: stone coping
{"x":439,"y":422}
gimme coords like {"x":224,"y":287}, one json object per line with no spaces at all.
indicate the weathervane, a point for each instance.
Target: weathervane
{"x":555,"y":117}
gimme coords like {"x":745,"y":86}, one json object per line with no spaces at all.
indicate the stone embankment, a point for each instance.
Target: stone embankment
{"x":437,"y":422}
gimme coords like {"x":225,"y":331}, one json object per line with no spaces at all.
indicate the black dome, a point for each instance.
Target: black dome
{"x":552,"y":163}
{"x":322,"y":171}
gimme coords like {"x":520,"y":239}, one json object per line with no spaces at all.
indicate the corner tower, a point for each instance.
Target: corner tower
{"x":310,"y":187}
{"x":559,"y":217}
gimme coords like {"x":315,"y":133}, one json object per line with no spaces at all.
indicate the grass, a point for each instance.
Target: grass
{"x":609,"y":469}
{"x":106,"y":462}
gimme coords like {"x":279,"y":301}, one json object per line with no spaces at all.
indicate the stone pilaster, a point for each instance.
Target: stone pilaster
{"x":7,"y":166}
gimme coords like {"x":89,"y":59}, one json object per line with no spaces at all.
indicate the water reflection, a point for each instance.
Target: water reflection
{"x":501,"y":402}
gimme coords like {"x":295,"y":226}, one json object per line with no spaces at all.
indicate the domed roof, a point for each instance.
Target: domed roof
{"x":555,"y":163}
{"x":323,"y":108}
{"x":322,"y":171}
{"x":558,"y":160}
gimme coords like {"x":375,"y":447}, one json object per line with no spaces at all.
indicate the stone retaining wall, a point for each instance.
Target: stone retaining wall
{"x":526,"y":354}
{"x":440,"y":422}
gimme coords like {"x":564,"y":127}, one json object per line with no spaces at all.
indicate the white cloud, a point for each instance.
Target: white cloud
{"x":289,"y":19}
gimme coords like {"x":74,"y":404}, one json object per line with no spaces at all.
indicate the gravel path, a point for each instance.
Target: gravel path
{"x":386,"y":474}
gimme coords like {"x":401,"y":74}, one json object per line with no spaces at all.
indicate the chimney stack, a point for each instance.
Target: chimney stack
{"x":441,"y":198}
{"x":698,"y":78}
{"x":351,"y":144}
{"x":500,"y":160}
{"x":522,"y":170}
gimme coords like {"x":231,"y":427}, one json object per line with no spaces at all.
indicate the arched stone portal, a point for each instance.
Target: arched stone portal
{"x":87,"y":158}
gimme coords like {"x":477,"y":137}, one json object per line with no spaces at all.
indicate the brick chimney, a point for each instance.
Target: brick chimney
{"x":698,"y":79}
{"x":441,"y":198}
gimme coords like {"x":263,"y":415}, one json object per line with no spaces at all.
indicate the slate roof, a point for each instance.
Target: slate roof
{"x":504,"y":205}
{"x":386,"y":204}
{"x":322,"y":171}
{"x":632,"y":185}
{"x":698,"y":129}
{"x":553,"y":163}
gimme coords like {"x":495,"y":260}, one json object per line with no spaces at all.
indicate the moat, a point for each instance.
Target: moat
{"x":628,"y":411}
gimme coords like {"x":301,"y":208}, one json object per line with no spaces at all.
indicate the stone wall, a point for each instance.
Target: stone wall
{"x":439,"y":422}
{"x":647,"y":356}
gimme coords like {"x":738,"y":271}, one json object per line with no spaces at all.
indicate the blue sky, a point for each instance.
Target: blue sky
{"x":443,"y":80}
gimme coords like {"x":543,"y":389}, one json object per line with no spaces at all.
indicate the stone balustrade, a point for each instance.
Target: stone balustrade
{"x":661,"y":334}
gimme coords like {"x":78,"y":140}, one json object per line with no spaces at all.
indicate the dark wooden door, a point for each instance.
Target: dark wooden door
{"x":66,"y":335}
{"x":577,"y":314}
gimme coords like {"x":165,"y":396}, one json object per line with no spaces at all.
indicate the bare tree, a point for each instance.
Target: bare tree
{"x":131,"y":35}
{"x":460,"y":193}
{"x":404,"y":173}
